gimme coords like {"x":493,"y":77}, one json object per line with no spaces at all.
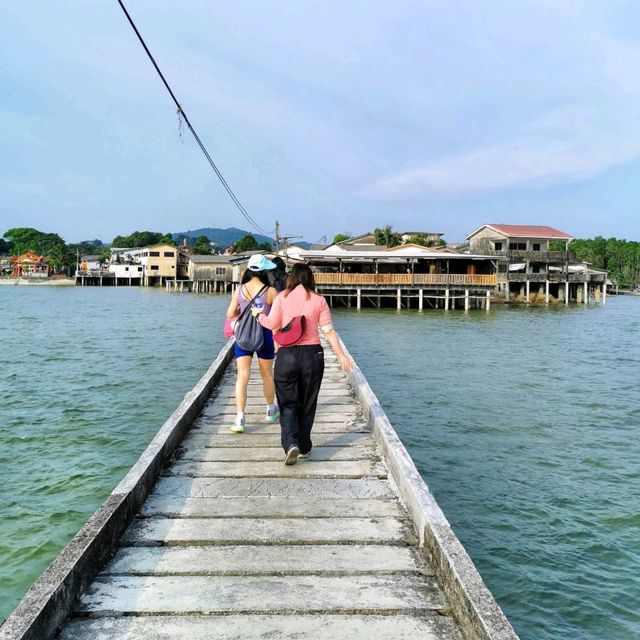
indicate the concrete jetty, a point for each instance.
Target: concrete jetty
{"x":210,"y":535}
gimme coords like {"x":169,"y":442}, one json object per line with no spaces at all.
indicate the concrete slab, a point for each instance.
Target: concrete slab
{"x":265,"y":560}
{"x":258,"y":594}
{"x":424,"y":626}
{"x":169,"y":531}
{"x":270,"y":507}
{"x":198,"y":438}
{"x":256,"y":414}
{"x":306,"y":469}
{"x":298,"y":488}
{"x":274,"y":454}
{"x":256,"y":424}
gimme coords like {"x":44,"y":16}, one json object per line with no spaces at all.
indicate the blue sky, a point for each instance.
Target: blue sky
{"x":328,"y":116}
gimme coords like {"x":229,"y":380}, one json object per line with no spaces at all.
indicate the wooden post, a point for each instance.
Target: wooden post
{"x":358,"y":299}
{"x":399,"y":299}
{"x":586,"y":292}
{"x":446,"y":299}
{"x":604,"y":293}
{"x":488,"y":299}
{"x":420,"y":299}
{"x":466,"y":299}
{"x":546,"y":292}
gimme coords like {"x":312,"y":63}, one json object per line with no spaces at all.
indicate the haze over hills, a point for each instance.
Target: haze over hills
{"x":225,"y":237}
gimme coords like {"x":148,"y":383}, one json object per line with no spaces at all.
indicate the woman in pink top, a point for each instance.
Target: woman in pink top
{"x":299,"y":369}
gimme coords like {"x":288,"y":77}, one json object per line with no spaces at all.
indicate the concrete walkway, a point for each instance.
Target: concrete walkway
{"x":231,"y":543}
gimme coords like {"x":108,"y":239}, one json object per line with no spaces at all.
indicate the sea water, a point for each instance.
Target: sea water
{"x":524,"y":422}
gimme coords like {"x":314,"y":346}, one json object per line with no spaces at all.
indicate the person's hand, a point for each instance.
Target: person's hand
{"x":345,"y":363}
{"x":256,"y":311}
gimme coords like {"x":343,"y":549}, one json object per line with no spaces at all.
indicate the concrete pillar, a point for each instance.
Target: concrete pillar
{"x":604,"y":293}
{"x":527,"y":290}
{"x":446,"y":299}
{"x":399,"y":299}
{"x":420,"y":299}
{"x":359,"y":299}
{"x":506,"y":290}
{"x":546,"y":292}
{"x":586,"y":292}
{"x":488,"y":300}
{"x":566,"y":293}
{"x":466,"y":299}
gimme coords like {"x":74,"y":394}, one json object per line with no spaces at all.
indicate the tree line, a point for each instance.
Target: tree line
{"x":63,"y":257}
{"x":621,"y":258}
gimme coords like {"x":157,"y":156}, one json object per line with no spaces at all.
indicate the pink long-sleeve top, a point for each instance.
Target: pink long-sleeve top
{"x":315,"y":310}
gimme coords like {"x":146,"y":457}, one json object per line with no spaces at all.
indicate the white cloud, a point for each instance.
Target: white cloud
{"x":561,"y":147}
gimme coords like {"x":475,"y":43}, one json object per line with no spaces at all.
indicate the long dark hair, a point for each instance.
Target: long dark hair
{"x":261,"y":275}
{"x":300,"y":274}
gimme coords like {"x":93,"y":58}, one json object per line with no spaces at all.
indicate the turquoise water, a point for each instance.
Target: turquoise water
{"x":525,"y":422}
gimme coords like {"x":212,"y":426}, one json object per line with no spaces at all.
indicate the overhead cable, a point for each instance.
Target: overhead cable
{"x":181,"y":113}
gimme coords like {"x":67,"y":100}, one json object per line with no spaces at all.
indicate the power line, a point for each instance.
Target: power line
{"x":181,"y":113}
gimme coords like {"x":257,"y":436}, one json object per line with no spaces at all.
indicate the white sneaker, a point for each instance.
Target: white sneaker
{"x":238,"y":427}
{"x":273,"y":415}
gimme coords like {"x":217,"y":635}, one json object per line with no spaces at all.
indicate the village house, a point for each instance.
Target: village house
{"x":357,"y":271}
{"x":529,"y":271}
{"x":29,"y":265}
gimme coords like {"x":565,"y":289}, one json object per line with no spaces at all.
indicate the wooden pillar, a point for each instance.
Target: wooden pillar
{"x":466,"y":299}
{"x":359,"y":299}
{"x":446,"y":299}
{"x":420,"y":299}
{"x":399,"y":299}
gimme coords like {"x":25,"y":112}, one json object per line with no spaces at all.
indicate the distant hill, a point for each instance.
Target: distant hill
{"x":225,"y":237}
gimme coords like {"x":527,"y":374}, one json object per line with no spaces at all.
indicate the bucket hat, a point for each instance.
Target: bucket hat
{"x":260,"y":263}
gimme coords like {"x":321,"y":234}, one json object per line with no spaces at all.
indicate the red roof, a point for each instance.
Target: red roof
{"x":527,"y":231}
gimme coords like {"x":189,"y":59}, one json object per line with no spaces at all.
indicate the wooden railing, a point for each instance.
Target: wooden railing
{"x":404,"y":279}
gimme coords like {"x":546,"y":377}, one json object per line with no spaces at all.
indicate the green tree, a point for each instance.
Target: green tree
{"x":142,"y":239}
{"x":23,"y":239}
{"x":340,"y":237}
{"x":265,"y":246}
{"x":386,"y":236}
{"x":247,"y":243}
{"x":5,"y":246}
{"x":202,"y":246}
{"x":425,"y":241}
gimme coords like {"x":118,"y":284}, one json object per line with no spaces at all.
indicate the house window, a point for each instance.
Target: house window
{"x":536,"y":246}
{"x":497,"y":246}
{"x":517,"y":246}
{"x":154,"y":254}
{"x":220,"y":271}
{"x":154,"y":267}
{"x":169,"y":254}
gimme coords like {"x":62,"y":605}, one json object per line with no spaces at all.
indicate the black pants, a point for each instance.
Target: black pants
{"x":298,"y":374}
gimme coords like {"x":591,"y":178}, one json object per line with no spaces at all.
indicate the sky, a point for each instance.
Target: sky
{"x":330,"y":117}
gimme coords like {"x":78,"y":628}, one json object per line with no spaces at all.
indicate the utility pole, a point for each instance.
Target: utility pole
{"x":277,"y":236}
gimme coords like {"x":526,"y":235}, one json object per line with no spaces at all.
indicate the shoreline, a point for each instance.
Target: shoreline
{"x":39,"y":282}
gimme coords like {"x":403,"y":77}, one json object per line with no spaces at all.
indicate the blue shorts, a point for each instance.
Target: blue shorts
{"x":267,"y":352}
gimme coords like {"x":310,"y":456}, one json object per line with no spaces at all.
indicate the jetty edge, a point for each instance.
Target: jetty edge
{"x":51,"y":600}
{"x":471,"y":601}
